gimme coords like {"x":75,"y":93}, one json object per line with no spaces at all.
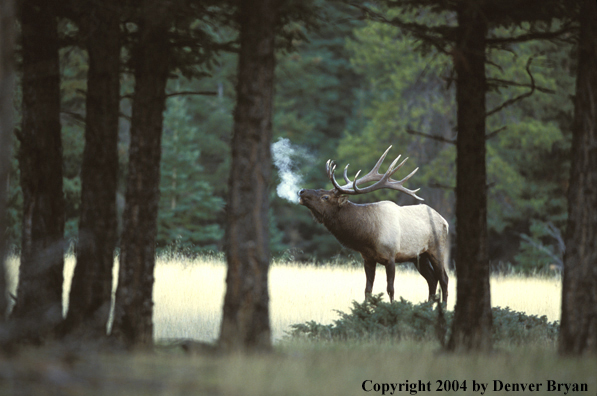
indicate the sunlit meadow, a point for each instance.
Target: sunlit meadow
{"x":188,"y":294}
{"x":188,"y":298}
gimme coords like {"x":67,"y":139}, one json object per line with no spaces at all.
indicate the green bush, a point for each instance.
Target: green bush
{"x":520,"y":328}
{"x":375,"y":319}
{"x":428,"y":321}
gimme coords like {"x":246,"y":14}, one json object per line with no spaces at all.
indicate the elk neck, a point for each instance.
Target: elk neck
{"x":354,"y":225}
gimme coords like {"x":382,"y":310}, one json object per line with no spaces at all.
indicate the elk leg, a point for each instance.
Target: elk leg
{"x":439,"y":271}
{"x":443,"y":282}
{"x":390,"y":274}
{"x":425,"y":268}
{"x":370,"y":273}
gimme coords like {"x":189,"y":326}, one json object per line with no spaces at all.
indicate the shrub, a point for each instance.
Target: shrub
{"x":520,"y":328}
{"x":375,"y":319}
{"x":403,"y":320}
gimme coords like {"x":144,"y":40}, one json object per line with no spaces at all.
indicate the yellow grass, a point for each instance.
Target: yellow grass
{"x":188,"y":294}
{"x":294,"y":369}
{"x":188,"y":298}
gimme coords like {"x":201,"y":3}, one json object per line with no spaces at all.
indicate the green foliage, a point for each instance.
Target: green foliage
{"x":314,"y":104}
{"x":377,"y":320}
{"x":403,"y":320}
{"x":518,"y":328}
{"x":405,"y":90}
{"x":408,"y":89}
{"x":188,"y":208}
{"x":346,"y":88}
{"x":543,"y":250}
{"x":527,"y":162}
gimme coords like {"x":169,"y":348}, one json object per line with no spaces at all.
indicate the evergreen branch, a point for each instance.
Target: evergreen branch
{"x":556,"y":234}
{"x":206,"y":93}
{"x":228,"y":46}
{"x":180,"y":93}
{"x":81,"y":119}
{"x":510,"y":102}
{"x":492,"y":134}
{"x":452,"y":141}
{"x":531,"y":36}
{"x":416,"y":30}
{"x":507,"y":83}
{"x":434,"y":137}
{"x":541,"y":247}
{"x":494,"y":64}
{"x":75,"y":116}
{"x":447,"y":187}
{"x":442,"y":186}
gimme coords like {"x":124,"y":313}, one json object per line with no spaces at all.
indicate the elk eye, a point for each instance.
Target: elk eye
{"x":325,"y":197}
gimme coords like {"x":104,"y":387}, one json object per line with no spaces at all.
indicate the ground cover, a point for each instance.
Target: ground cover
{"x":188,"y":297}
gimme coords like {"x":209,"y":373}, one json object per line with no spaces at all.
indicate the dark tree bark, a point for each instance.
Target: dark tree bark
{"x":472,"y":315}
{"x":134,"y":297}
{"x":7,"y":32}
{"x":578,"y":332}
{"x":245,"y":323}
{"x":90,"y":295}
{"x":39,"y":296}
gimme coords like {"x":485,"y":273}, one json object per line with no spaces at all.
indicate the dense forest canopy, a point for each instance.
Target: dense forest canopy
{"x":346,"y":88}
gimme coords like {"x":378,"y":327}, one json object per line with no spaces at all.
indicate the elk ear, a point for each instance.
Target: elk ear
{"x":342,"y":200}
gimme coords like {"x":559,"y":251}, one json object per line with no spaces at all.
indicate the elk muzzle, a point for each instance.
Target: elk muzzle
{"x":300,"y":194}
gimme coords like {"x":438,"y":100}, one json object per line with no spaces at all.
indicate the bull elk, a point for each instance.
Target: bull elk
{"x":383,"y":232}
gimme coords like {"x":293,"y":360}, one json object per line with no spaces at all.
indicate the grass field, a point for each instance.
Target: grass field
{"x":295,"y":369}
{"x":188,"y":298}
{"x":189,"y":294}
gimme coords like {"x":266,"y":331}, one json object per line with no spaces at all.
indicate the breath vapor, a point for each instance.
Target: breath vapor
{"x":283,"y":154}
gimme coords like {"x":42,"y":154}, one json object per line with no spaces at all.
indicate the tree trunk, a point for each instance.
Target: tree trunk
{"x":7,"y":32}
{"x":578,"y":332}
{"x":39,"y":295}
{"x":91,"y":289}
{"x":472,"y":314}
{"x":134,"y":297}
{"x":245,"y":324}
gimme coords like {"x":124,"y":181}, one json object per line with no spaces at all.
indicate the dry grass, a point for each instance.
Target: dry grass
{"x":188,"y":297}
{"x":294,"y":369}
{"x":189,"y":294}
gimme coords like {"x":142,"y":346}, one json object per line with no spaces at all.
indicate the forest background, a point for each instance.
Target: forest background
{"x":346,"y":89}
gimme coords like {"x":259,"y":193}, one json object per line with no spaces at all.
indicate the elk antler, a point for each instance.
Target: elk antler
{"x":383,"y":181}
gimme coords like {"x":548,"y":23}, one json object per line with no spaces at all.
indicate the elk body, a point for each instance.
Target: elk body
{"x":383,"y":232}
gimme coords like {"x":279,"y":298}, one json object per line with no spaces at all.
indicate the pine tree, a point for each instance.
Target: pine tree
{"x":7,"y":77}
{"x":579,"y":290}
{"x":39,"y":295}
{"x":245,"y":323}
{"x":133,"y":321}
{"x":91,"y":288}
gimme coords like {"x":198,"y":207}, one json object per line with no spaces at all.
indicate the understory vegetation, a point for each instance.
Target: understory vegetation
{"x":295,"y":368}
{"x":376,"y":320}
